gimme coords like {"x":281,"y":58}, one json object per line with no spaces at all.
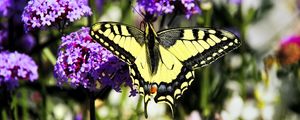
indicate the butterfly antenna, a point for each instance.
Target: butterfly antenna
{"x":139,"y":13}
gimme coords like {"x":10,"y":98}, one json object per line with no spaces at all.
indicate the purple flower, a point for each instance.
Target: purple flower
{"x":190,"y":8}
{"x":159,"y":7}
{"x":15,"y":66}
{"x":12,"y":8}
{"x":155,"y":6}
{"x":44,"y":13}
{"x":83,"y":62}
{"x":78,"y":116}
{"x":4,"y":7}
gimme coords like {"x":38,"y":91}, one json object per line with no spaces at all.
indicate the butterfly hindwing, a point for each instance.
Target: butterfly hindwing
{"x":124,"y":41}
{"x":196,"y":47}
{"x":171,"y":78}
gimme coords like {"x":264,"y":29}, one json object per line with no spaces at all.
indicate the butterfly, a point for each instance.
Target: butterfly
{"x":162,"y":63}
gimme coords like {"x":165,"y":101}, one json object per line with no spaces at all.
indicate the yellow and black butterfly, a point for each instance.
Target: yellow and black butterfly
{"x":162,"y":63}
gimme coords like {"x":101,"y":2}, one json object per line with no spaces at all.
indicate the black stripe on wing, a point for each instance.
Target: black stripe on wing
{"x":137,"y":79}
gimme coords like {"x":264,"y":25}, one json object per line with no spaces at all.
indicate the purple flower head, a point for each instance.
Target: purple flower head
{"x":13,"y":8}
{"x":155,"y":6}
{"x":190,"y":8}
{"x":15,"y":66}
{"x":44,"y":13}
{"x":83,"y":62}
{"x":159,"y":7}
{"x":4,"y":7}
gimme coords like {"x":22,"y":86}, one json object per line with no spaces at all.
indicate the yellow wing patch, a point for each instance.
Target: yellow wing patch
{"x":120,"y":39}
{"x":198,"y":45}
{"x":169,"y":64}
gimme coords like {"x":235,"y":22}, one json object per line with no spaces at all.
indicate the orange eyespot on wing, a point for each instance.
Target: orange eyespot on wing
{"x":153,"y":89}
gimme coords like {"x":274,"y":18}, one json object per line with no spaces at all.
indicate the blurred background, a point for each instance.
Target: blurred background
{"x":45,"y":73}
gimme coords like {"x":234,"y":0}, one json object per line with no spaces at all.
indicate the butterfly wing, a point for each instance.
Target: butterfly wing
{"x":122,"y":40}
{"x":182,"y":50}
{"x":196,"y":47}
{"x":128,"y":44}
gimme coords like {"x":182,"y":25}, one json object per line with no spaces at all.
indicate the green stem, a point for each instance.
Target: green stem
{"x":137,"y":109}
{"x":15,"y":113}
{"x":90,"y":18}
{"x":49,"y":55}
{"x":242,"y":78}
{"x":243,"y":49}
{"x":207,"y":13}
{"x":204,"y":91}
{"x":44,"y":101}
{"x":92,"y":106}
{"x":122,"y":102}
{"x":14,"y":108}
{"x":3,"y":114}
{"x":24,"y":102}
{"x":182,"y":113}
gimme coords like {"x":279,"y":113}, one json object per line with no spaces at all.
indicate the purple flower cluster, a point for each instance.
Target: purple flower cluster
{"x":42,"y":13}
{"x":83,"y":62}
{"x":4,"y":7}
{"x":155,"y":6}
{"x":15,"y":66}
{"x":190,"y":8}
{"x":160,"y":7}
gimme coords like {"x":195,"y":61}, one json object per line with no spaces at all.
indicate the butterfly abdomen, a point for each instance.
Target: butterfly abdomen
{"x":153,"y":52}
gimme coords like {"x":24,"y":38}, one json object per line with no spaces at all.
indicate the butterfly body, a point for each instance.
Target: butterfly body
{"x":162,"y":63}
{"x":152,"y":48}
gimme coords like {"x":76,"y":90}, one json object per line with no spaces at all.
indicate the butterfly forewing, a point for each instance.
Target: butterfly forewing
{"x":122,"y":40}
{"x":196,"y":47}
{"x":128,"y":44}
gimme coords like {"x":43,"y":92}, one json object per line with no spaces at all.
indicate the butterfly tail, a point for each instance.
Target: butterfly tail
{"x":146,"y":100}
